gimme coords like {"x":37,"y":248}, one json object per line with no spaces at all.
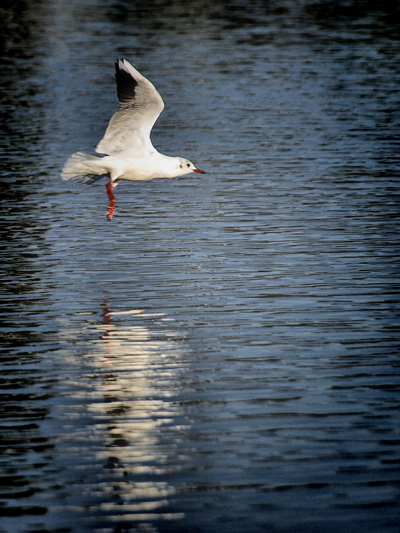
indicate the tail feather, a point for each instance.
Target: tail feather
{"x":83,"y":167}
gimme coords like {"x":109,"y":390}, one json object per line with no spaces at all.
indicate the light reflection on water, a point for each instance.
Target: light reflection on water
{"x":128,"y":419}
{"x":223,"y":356}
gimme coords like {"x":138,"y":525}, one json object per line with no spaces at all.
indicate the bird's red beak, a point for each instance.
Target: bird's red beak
{"x":198,"y":170}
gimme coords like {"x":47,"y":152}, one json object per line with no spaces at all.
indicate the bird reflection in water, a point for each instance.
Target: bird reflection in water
{"x":142,"y":363}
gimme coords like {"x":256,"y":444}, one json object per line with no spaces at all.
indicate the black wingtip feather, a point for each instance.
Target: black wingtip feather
{"x":126,"y":84}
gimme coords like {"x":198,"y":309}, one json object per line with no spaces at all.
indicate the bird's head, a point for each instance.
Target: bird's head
{"x":186,"y":166}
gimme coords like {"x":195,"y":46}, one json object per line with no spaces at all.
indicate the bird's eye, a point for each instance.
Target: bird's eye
{"x":188,"y":164}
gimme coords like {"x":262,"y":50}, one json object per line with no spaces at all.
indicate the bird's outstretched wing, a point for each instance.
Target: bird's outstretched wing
{"x":140,"y":106}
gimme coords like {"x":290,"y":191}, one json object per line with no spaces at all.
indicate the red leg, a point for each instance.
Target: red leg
{"x":112,"y":199}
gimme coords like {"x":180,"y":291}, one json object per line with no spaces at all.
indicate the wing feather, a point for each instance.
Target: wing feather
{"x":140,"y":105}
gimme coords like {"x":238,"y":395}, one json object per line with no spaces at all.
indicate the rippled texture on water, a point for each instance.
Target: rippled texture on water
{"x":223,"y":355}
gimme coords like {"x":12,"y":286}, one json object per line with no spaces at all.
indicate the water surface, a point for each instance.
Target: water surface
{"x":224,"y":354}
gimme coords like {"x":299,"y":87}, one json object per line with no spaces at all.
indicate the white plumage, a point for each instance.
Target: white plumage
{"x":129,"y":152}
{"x":140,"y":106}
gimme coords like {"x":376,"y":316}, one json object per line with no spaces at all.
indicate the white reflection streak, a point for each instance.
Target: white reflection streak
{"x":140,"y":371}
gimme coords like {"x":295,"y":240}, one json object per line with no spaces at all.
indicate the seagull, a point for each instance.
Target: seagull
{"x":128,"y":153}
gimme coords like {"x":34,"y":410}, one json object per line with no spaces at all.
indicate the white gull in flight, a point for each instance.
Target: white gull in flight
{"x":129,"y":153}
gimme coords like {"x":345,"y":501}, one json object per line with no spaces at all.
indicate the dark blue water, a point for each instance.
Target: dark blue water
{"x":224,"y":354}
